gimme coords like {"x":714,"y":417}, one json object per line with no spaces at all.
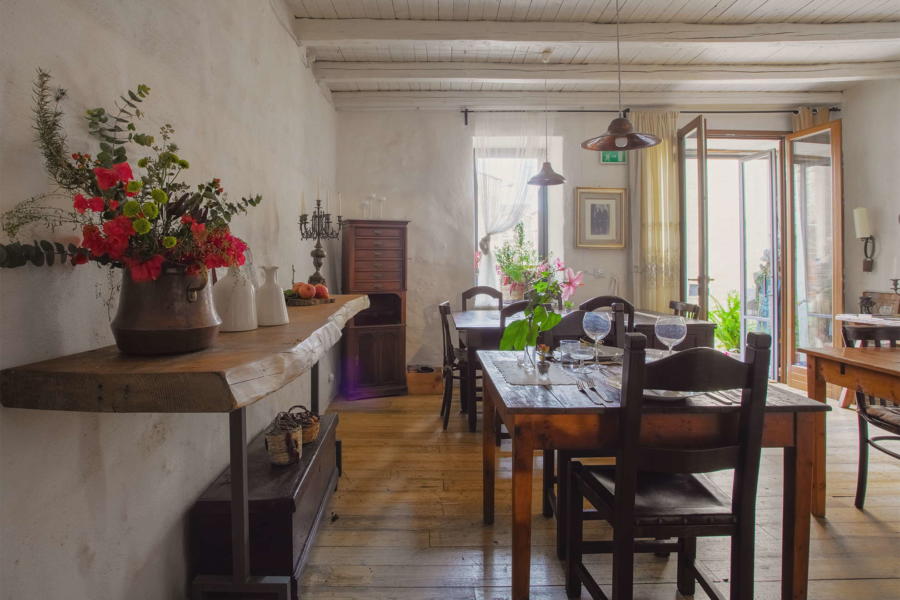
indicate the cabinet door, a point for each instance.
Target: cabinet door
{"x":375,"y":359}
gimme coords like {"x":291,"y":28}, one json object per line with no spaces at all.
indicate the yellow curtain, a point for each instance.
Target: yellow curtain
{"x":807,"y":117}
{"x":655,"y":180}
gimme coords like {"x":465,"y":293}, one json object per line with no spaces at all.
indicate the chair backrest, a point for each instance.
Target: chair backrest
{"x":446,"y":332}
{"x":511,"y":309}
{"x":685,"y":309}
{"x":867,"y":336}
{"x":569,"y":328}
{"x":482,"y":290}
{"x":604,"y":301}
{"x":700,"y":370}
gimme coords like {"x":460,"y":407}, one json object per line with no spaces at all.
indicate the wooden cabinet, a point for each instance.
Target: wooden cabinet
{"x":374,"y":343}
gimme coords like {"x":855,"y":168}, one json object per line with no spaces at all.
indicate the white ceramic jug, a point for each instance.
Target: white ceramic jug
{"x":235,"y":300}
{"x":270,"y":306}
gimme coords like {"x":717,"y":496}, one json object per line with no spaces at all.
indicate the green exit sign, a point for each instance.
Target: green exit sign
{"x":613,"y":157}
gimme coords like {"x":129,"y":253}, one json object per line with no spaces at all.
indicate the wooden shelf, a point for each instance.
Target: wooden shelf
{"x":238,"y":370}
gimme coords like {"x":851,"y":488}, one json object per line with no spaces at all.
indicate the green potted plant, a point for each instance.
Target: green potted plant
{"x":516,"y":264}
{"x":728,"y":322}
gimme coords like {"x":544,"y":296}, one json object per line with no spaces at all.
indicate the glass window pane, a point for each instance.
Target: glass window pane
{"x":691,"y":218}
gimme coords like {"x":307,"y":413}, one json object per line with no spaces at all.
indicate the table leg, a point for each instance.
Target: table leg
{"x":522,"y":476}
{"x":472,"y":363}
{"x":798,"y":473}
{"x":240,"y":516}
{"x":815,"y":389}
{"x":489,"y":456}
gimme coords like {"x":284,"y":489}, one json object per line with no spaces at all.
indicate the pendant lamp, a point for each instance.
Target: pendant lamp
{"x":620,"y":135}
{"x":546,"y":176}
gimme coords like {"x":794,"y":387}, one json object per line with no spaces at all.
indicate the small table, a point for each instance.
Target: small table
{"x":480,"y":330}
{"x":237,"y":371}
{"x":873,"y":371}
{"x":562,"y":418}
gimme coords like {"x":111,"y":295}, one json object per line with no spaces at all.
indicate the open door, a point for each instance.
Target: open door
{"x":814,"y":276}
{"x":759,"y":252}
{"x":693,"y":191}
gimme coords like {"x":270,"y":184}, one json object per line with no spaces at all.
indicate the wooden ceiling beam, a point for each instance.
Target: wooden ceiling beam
{"x":361,"y":33}
{"x":471,"y":72}
{"x":580,"y":100}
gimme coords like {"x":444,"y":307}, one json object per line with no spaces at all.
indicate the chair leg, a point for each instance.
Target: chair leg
{"x":448,"y":396}
{"x":687,"y":553}
{"x":548,"y":470}
{"x":862,"y":474}
{"x":574,"y":525}
{"x":623,"y":562}
{"x":742,"y":549}
{"x":563,"y":488}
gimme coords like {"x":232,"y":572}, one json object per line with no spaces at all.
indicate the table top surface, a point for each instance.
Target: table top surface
{"x":239,"y":369}
{"x":490,"y":319}
{"x":566,"y":399}
{"x":885,"y":360}
{"x":880,"y":320}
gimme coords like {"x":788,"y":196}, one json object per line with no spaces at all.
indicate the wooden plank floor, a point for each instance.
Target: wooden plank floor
{"x":408,"y":520}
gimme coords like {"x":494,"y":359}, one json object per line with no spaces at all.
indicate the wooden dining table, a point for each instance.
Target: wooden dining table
{"x":480,"y":329}
{"x":559,"y":417}
{"x":872,"y":371}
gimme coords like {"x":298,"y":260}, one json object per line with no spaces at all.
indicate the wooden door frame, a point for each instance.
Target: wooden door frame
{"x":698,"y":123}
{"x":796,"y":376}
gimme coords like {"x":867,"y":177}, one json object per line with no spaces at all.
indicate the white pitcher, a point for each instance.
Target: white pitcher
{"x":270,"y":306}
{"x":235,"y":300}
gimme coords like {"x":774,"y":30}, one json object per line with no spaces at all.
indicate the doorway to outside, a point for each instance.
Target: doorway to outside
{"x":731,"y":231}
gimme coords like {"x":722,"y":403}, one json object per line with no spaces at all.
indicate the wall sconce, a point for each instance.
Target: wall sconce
{"x":864,"y":232}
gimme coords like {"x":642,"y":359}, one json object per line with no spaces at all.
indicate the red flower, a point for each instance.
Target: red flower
{"x":80,"y":203}
{"x":79,"y":258}
{"x":148,"y":270}
{"x":123,"y":171}
{"x":93,"y":240}
{"x":117,"y":231}
{"x":96,"y":204}
{"x":108,"y":178}
{"x":198,"y":228}
{"x":113,"y":204}
{"x":187,"y":219}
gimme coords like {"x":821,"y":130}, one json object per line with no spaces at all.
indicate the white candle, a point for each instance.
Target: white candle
{"x":317,"y":188}
{"x":302,"y":204}
{"x":339,"y":203}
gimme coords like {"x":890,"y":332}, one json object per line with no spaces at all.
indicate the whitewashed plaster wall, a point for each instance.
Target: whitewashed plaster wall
{"x":422,"y":162}
{"x":871,"y":150}
{"x":94,"y":506}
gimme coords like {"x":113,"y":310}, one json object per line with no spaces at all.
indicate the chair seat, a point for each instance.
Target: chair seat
{"x":667,"y":498}
{"x":886,"y":414}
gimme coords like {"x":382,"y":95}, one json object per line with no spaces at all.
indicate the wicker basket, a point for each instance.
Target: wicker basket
{"x":284,"y":440}
{"x":303,"y":417}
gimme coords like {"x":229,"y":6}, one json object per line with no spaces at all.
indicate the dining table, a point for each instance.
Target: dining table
{"x":873,"y":371}
{"x":559,"y":417}
{"x":480,"y":329}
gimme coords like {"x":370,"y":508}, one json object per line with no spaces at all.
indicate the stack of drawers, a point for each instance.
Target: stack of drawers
{"x":374,"y":343}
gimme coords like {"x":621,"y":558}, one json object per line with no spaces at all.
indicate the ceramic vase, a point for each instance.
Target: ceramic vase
{"x":235,"y":299}
{"x":169,"y":315}
{"x":270,"y":306}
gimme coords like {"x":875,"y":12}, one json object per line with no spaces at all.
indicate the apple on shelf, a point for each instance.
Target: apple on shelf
{"x":307,"y":294}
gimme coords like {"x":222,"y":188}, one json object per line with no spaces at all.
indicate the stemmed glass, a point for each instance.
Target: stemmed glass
{"x":670,"y":330}
{"x":582,"y":352}
{"x":596,"y":325}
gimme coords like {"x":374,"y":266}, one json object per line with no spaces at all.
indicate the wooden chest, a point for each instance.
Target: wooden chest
{"x":287,"y":505}
{"x":374,"y":342}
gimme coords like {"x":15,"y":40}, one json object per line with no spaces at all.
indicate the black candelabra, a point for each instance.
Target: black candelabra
{"x":318,"y":226}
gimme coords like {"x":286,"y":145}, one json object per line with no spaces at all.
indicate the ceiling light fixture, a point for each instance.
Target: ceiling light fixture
{"x":546,"y":176}
{"x":620,"y":135}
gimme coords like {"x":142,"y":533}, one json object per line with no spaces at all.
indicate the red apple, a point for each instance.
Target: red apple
{"x":305,"y":290}
{"x":321,"y":291}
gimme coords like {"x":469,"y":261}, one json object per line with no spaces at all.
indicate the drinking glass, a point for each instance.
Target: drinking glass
{"x":582,"y":352}
{"x":566,"y":350}
{"x":596,"y":325}
{"x":670,"y":330}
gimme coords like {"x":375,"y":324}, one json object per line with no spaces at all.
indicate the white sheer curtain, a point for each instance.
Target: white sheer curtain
{"x":503,"y":193}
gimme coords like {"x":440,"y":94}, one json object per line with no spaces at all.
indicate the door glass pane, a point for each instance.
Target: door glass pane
{"x":811,"y":178}
{"x":756,"y":179}
{"x":691,"y":218}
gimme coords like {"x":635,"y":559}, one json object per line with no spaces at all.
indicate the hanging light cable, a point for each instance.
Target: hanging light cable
{"x":546,"y":176}
{"x":620,"y":135}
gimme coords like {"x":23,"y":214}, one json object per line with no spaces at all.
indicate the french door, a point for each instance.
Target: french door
{"x":815,"y":244}
{"x":694,"y":214}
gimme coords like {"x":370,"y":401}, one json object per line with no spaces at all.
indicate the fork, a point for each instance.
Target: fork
{"x":589,"y":383}
{"x":582,"y":387}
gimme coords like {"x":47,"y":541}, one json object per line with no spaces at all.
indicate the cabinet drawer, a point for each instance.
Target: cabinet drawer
{"x":378,"y":232}
{"x":379,"y":255}
{"x":379,"y":243}
{"x":377,"y":286}
{"x":378,"y":276}
{"x":394,"y":266}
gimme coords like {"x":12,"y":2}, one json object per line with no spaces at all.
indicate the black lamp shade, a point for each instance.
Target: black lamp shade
{"x":620,"y":129}
{"x":547,"y":176}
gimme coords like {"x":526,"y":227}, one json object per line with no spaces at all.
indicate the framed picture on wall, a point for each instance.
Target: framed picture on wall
{"x":601,"y":217}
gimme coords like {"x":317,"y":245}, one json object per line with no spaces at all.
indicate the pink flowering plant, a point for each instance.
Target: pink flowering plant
{"x":142,"y":221}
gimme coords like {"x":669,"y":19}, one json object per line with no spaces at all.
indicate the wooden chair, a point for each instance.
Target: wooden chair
{"x":454,"y":367}
{"x":878,"y":412}
{"x":609,"y":301}
{"x":513,"y":308}
{"x":482,"y":290}
{"x":663,"y":493}
{"x":569,"y":328}
{"x":685,"y":309}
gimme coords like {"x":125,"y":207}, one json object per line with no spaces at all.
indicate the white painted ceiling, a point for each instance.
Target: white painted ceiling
{"x":827,"y":41}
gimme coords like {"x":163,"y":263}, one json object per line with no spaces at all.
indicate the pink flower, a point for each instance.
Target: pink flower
{"x":572,"y":282}
{"x":559,"y":265}
{"x":542,"y":268}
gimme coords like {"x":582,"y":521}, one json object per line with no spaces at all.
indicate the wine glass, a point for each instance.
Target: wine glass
{"x":582,"y":352}
{"x":596,"y":325}
{"x":670,"y":330}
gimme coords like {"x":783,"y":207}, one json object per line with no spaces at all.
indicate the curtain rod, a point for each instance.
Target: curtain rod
{"x":468,"y":111}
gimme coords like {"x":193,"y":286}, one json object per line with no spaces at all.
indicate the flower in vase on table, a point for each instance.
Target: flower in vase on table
{"x":142,"y":219}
